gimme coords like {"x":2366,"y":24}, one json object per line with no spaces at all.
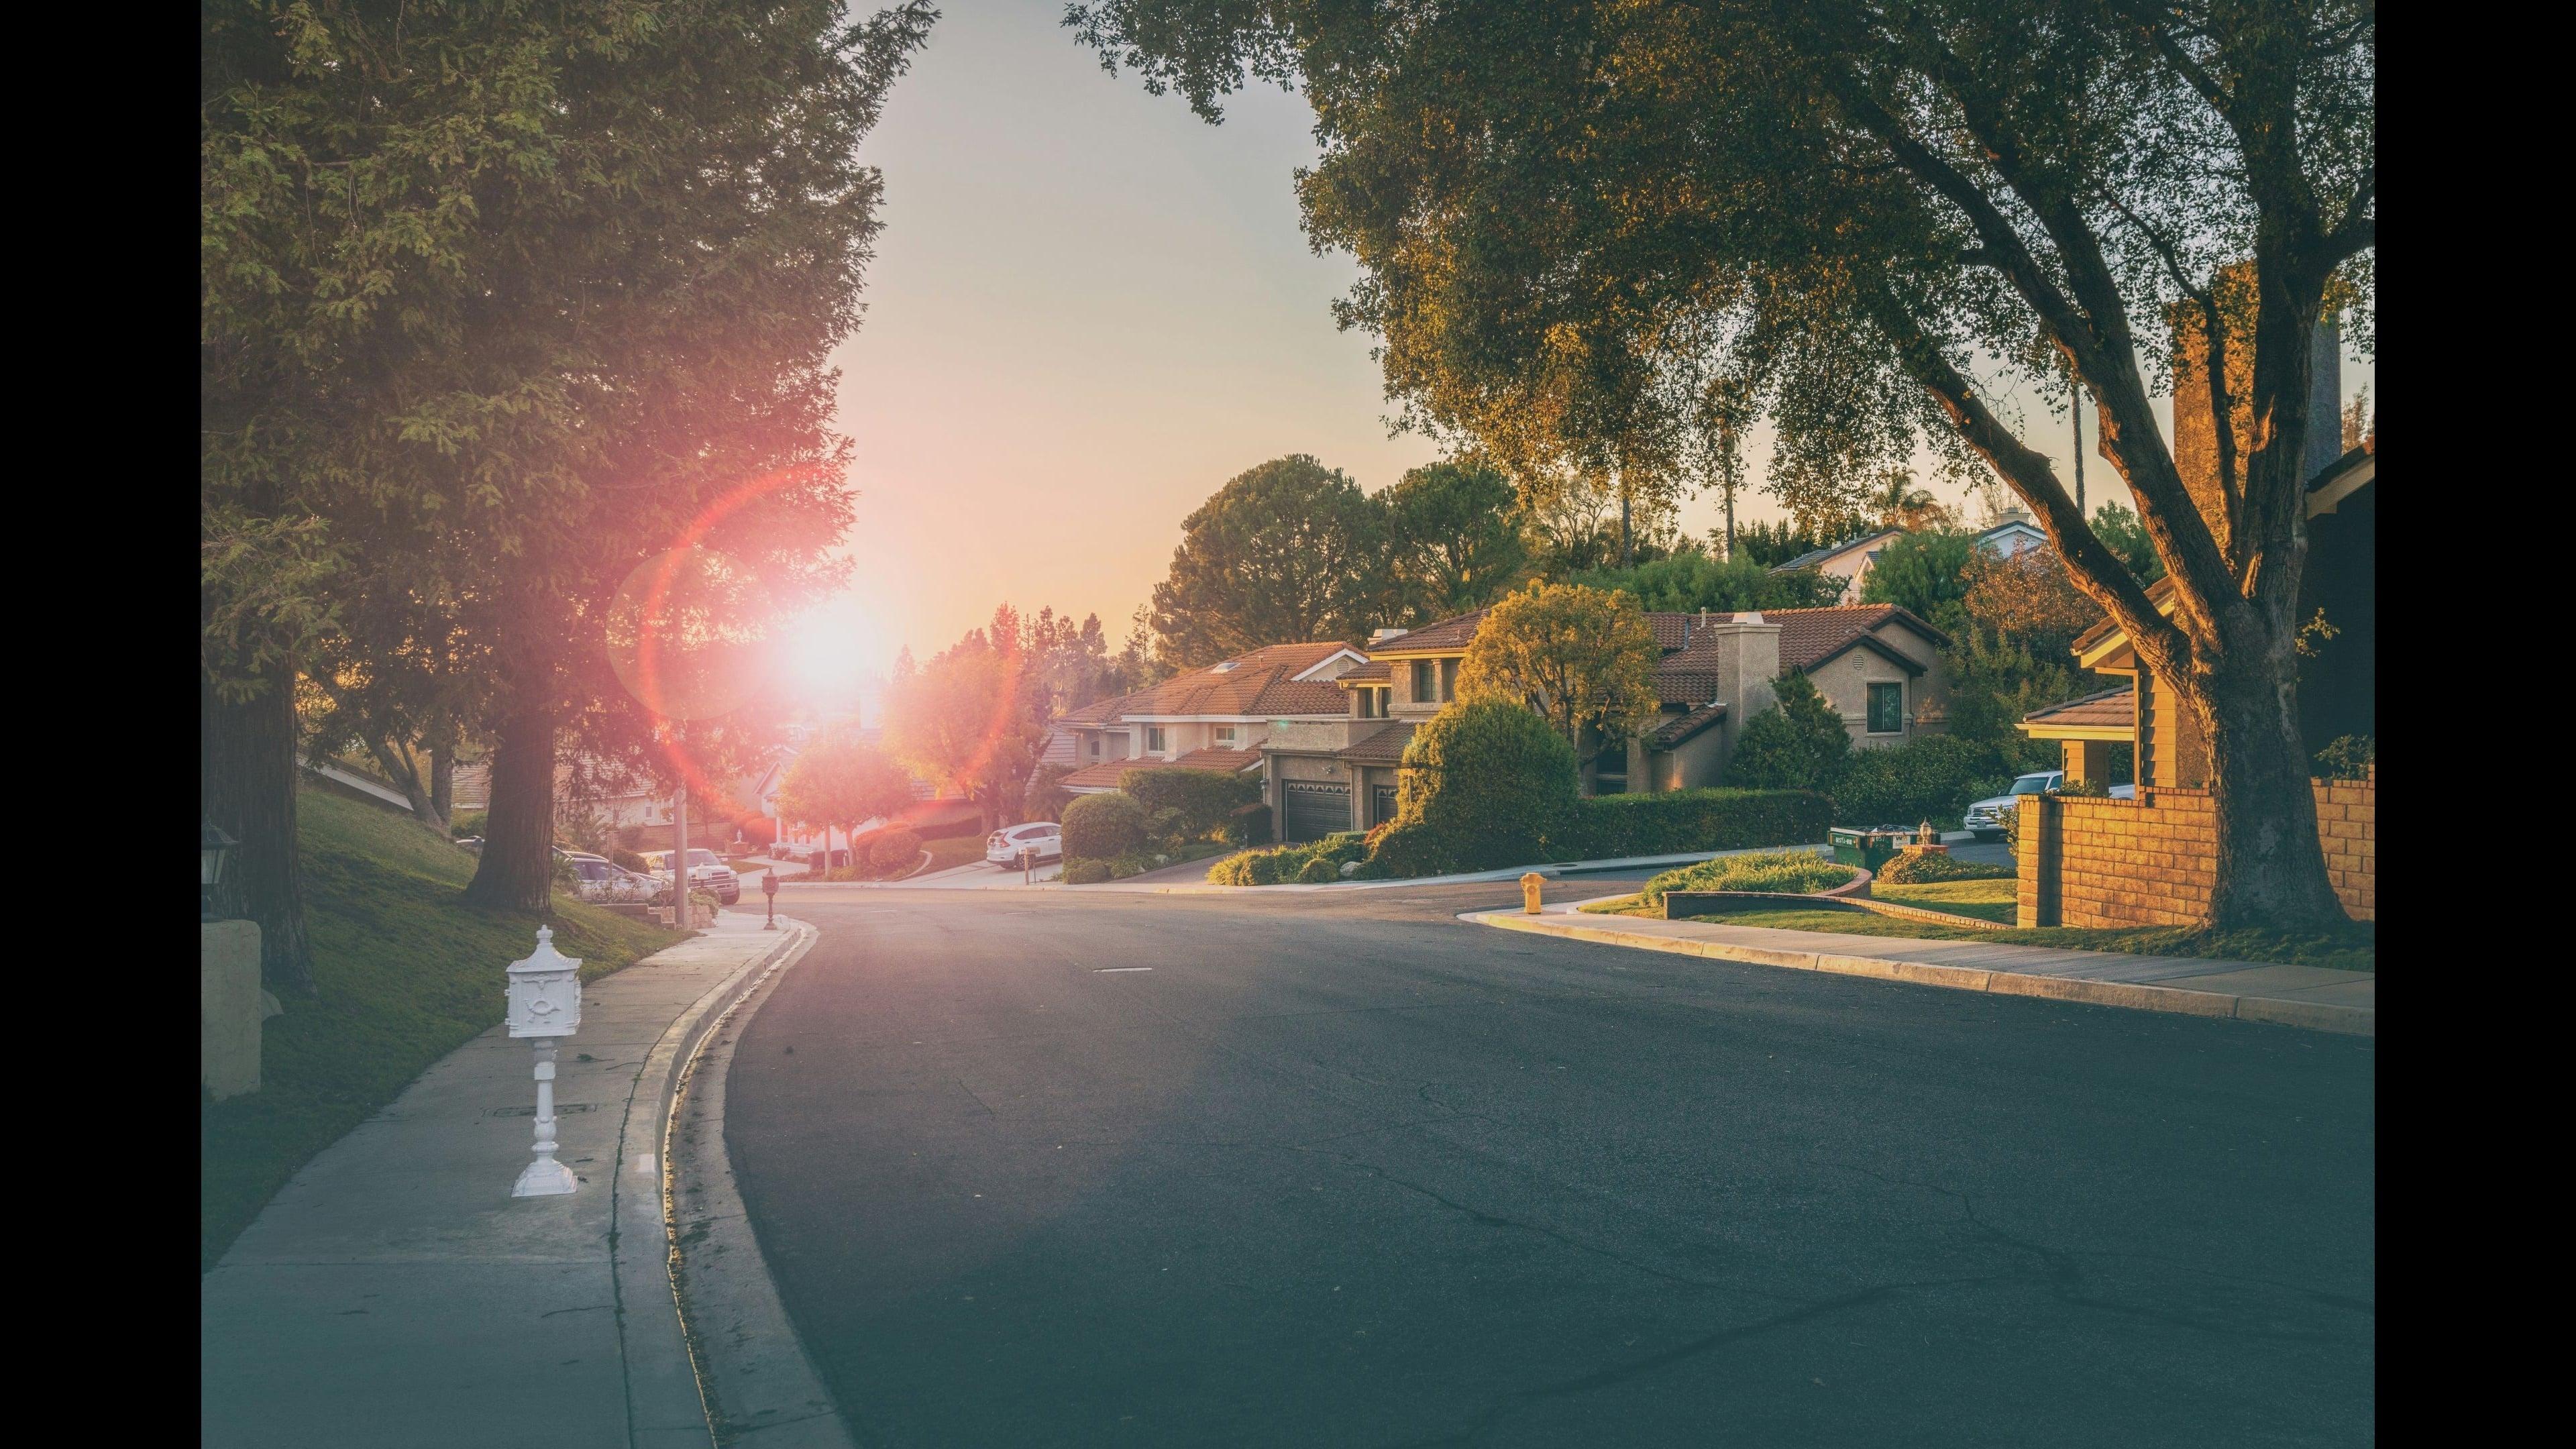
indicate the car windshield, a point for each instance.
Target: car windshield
{"x":2031,"y":784}
{"x":703,"y":857}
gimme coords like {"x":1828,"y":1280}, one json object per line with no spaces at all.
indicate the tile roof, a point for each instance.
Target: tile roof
{"x":1808,"y":637}
{"x":1108,"y":773}
{"x":1099,"y":711}
{"x":1386,"y":747}
{"x":1681,"y":727}
{"x":1258,"y":685}
{"x":1450,"y":633}
{"x":2115,"y":708}
{"x":1228,"y":761}
{"x":1376,"y":671}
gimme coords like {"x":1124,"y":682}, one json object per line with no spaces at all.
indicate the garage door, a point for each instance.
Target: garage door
{"x":1316,"y":810}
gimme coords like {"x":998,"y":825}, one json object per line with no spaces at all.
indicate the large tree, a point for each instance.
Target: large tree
{"x":1454,"y":539}
{"x":1284,"y":553}
{"x":1879,"y":206}
{"x":1583,"y":659}
{"x":968,"y":719}
{"x":497,"y":304}
{"x":842,"y":781}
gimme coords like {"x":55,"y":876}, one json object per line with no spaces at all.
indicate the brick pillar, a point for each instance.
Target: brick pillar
{"x":2036,"y":852}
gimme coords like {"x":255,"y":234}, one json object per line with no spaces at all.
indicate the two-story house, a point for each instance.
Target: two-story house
{"x":1876,"y":664}
{"x":1214,"y":718}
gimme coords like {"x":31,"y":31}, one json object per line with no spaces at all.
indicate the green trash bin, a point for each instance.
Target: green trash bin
{"x":1868,"y":849}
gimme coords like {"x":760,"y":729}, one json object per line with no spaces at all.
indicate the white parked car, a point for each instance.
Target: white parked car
{"x":707,"y":872}
{"x":1044,"y":838}
{"x":600,"y":880}
{"x":1986,"y":817}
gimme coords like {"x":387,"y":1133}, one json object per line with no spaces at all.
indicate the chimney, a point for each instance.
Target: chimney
{"x":1382,"y":635}
{"x":1747,"y":650}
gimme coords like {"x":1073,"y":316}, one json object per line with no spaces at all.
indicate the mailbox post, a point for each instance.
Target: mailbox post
{"x":545,"y":1006}
{"x":1028,"y":864}
{"x":769,"y":888}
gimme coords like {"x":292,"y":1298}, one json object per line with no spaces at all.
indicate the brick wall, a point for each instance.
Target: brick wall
{"x":2147,"y":862}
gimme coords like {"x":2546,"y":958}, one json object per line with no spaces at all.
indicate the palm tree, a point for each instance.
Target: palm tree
{"x":1899,"y":504}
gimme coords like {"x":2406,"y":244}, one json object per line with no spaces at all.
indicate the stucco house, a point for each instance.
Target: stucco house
{"x":1213,"y":718}
{"x":1848,"y":562}
{"x":1877,"y":664}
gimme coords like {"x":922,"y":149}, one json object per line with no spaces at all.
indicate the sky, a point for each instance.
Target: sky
{"x":1088,"y":310}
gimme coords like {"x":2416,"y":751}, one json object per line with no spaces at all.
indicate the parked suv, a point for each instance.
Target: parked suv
{"x":707,"y":872}
{"x":1986,"y":817}
{"x":1044,"y":838}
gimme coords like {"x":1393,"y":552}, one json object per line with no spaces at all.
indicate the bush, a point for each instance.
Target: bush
{"x":893,"y":850}
{"x":1248,"y":826}
{"x":1104,"y":827}
{"x":1800,"y":871}
{"x":1921,"y":867}
{"x":1797,"y":744}
{"x":1484,"y":784}
{"x":2347,"y":757}
{"x":1291,"y":862}
{"x":1933,"y":778}
{"x":1082,"y":871}
{"x":1200,"y":801}
{"x":1683,"y":820}
{"x":630,"y":860}
{"x":1318,"y":871}
{"x":470,"y":823}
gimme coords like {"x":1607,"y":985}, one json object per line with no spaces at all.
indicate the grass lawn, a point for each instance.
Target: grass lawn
{"x":1987,"y":900}
{"x":2354,"y":949}
{"x":955,"y":851}
{"x":406,"y":973}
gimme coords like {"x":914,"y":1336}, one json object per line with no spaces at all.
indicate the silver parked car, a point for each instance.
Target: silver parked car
{"x":707,"y":872}
{"x":1986,"y":818}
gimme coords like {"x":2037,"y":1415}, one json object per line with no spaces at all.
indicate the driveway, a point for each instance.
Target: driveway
{"x":1093,"y":1169}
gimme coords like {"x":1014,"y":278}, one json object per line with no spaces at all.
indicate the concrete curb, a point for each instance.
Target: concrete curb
{"x":2129,"y":995}
{"x":662,"y":1384}
{"x":760,"y":1387}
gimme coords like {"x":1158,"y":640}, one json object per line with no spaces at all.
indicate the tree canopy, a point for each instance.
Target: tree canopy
{"x":1575,"y":217}
{"x":1581,"y":658}
{"x":1290,"y":551}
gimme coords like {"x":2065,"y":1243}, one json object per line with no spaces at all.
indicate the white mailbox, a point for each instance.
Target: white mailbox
{"x":545,"y":1006}
{"x":545,"y":991}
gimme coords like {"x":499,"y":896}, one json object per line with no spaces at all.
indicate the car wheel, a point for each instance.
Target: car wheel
{"x":729,"y":899}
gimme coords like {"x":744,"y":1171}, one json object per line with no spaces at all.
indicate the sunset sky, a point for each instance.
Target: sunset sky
{"x":1089,"y":309}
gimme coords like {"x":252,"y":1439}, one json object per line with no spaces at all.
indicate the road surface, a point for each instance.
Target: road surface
{"x":1107,"y":1169}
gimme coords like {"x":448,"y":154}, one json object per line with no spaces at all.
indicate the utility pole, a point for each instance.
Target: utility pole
{"x":2075,"y":409}
{"x":684,"y":914}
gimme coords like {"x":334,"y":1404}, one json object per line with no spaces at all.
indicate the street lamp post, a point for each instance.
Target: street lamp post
{"x":545,"y":1006}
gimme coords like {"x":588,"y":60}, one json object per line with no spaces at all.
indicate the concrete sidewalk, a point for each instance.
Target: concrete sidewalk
{"x":2315,"y":997}
{"x":395,"y":1294}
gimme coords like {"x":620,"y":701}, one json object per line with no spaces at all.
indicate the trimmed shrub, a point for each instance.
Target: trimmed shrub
{"x":1797,"y":744}
{"x":631,"y":861}
{"x":1134,"y":862}
{"x":2347,"y":757}
{"x":1103,"y":827}
{"x":1923,"y":867}
{"x":469,"y":823}
{"x":1484,"y":784}
{"x":1800,"y":871}
{"x":1248,"y":826}
{"x":1933,"y":778}
{"x":1318,"y":871}
{"x":893,"y":850}
{"x":1683,"y":820}
{"x":1081,"y":871}
{"x":1200,"y":801}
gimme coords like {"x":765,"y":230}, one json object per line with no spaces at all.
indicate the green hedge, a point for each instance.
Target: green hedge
{"x":1934,"y":778}
{"x":1104,"y":827}
{"x":1800,"y":871}
{"x":1199,"y":801}
{"x":1922,"y":867}
{"x":1313,"y":863}
{"x":1078,"y":871}
{"x":1612,"y":826}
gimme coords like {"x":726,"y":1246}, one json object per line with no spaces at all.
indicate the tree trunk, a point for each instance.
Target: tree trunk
{"x":517,"y":869}
{"x":2270,"y":868}
{"x":442,"y":786}
{"x":246,"y":786}
{"x":406,"y":777}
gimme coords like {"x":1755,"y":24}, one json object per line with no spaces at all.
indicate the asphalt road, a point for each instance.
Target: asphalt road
{"x":1341,"y":1170}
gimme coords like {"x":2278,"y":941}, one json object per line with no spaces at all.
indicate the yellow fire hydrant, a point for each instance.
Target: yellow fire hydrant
{"x":1529,"y":892}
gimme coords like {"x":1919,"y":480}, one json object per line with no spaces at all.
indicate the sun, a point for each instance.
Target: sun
{"x":830,"y":650}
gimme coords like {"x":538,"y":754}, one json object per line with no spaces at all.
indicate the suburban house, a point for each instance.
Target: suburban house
{"x":2081,"y":869}
{"x":1848,"y":562}
{"x":1213,"y":718}
{"x":1878,"y":665}
{"x":2013,"y":535}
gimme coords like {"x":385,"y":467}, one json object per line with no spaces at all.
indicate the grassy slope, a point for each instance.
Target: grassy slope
{"x":407,"y":973}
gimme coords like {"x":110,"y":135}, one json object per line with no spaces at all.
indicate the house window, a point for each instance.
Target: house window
{"x":1153,"y":739}
{"x":1448,"y":680}
{"x":1424,"y":691}
{"x":1363,"y":704}
{"x":1887,"y":709}
{"x":1225,"y":737}
{"x":1095,"y":747}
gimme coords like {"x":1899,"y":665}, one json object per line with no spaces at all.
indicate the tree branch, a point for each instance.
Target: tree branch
{"x":2222,"y":404}
{"x":2095,"y":569}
